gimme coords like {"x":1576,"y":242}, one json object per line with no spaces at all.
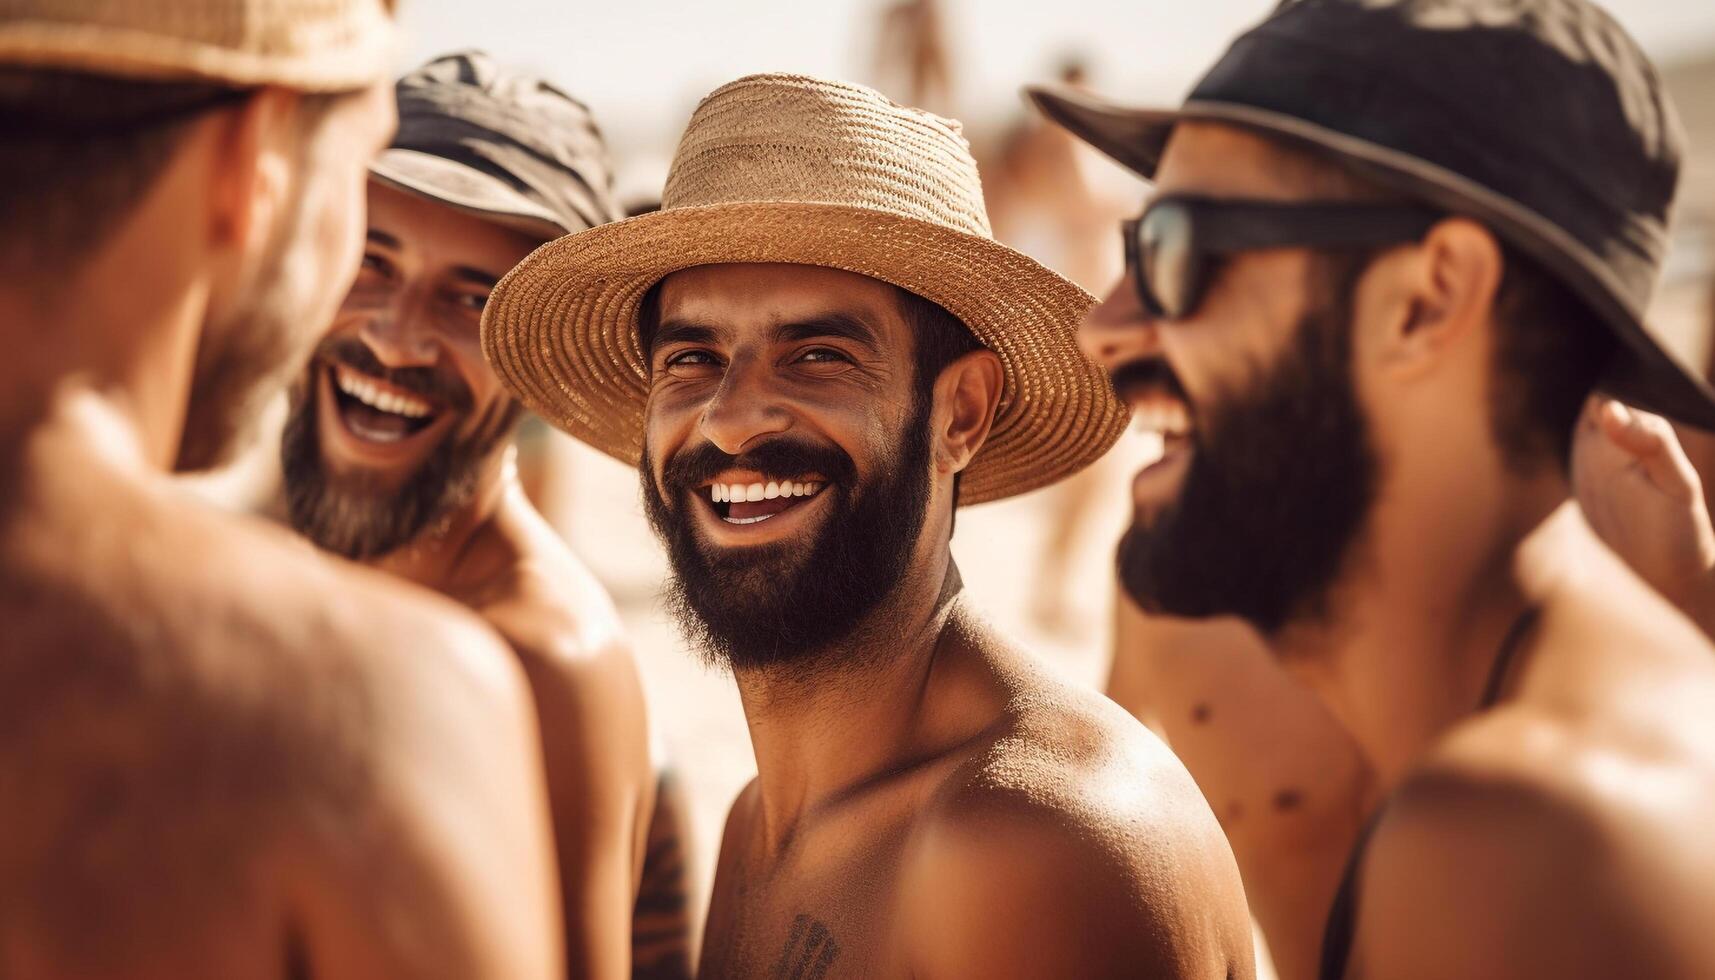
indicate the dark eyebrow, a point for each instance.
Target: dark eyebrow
{"x":476,"y":277}
{"x":681,"y":332}
{"x":382,"y":238}
{"x":843,"y":325}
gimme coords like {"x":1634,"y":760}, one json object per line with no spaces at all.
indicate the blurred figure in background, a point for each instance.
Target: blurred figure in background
{"x":1057,"y":200}
{"x":220,"y":754}
{"x":397,"y":453}
{"x":913,"y":60}
{"x":1380,"y":398}
{"x":930,"y":802}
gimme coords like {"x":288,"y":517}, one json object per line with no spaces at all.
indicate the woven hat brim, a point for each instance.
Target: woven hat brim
{"x":364,"y":58}
{"x":458,"y":186}
{"x":1645,"y":371}
{"x":561,"y":328}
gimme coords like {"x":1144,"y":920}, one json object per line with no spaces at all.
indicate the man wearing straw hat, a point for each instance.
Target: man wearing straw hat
{"x":1382,"y":295}
{"x":221,"y":755}
{"x":815,"y":351}
{"x":398,"y":452}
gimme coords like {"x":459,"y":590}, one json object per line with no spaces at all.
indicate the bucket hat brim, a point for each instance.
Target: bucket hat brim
{"x":1646,"y":373}
{"x":462,"y":188}
{"x":561,"y":328}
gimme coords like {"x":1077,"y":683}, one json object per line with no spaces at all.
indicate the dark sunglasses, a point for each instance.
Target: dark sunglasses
{"x":1173,"y":250}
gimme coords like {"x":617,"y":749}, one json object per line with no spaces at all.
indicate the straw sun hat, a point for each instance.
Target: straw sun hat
{"x":308,"y":45}
{"x":784,"y":168}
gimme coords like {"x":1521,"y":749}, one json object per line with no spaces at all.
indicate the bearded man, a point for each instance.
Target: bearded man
{"x":398,"y":453}
{"x":1379,"y":316}
{"x":816,"y":351}
{"x":220,"y":754}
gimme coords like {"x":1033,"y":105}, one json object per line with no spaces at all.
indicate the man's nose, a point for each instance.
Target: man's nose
{"x":744,"y":408}
{"x":1118,"y":330}
{"x":400,"y":334}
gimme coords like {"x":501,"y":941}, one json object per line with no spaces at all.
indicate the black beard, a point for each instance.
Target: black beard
{"x":786,"y":604}
{"x":1279,"y":486}
{"x":356,"y":516}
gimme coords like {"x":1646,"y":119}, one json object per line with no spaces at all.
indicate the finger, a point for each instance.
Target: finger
{"x":1630,"y":430}
{"x":1590,"y":418}
{"x":1650,"y":440}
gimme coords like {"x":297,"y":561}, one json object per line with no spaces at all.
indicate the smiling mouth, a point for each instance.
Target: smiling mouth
{"x":1165,"y":416}
{"x":378,"y":412}
{"x":1157,"y":401}
{"x":752,"y":502}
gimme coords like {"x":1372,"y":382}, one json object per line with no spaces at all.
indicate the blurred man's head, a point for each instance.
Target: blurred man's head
{"x":399,"y":418}
{"x":1300,"y":373}
{"x":399,"y":414}
{"x":268,"y":195}
{"x":1347,"y":302}
{"x":243,"y":152}
{"x":804,"y":427}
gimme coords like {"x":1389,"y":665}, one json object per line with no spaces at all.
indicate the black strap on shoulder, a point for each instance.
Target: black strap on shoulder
{"x":1342,"y":924}
{"x":1341,"y":929}
{"x":1504,"y":659}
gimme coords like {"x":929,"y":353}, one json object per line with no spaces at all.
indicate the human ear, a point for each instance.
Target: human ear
{"x":1440,"y":290}
{"x":251,"y":176}
{"x":966,"y":396}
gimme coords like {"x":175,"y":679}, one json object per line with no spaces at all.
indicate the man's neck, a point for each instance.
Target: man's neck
{"x":1413,"y":633}
{"x":465,"y":546}
{"x":824,"y":735}
{"x":122,"y":333}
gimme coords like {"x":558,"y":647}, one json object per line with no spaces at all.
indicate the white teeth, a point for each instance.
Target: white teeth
{"x":733,"y":493}
{"x":747,"y":520}
{"x":371,"y":394}
{"x":1166,"y":418}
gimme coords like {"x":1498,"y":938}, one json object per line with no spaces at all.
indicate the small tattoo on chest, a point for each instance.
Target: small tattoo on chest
{"x":810,"y":951}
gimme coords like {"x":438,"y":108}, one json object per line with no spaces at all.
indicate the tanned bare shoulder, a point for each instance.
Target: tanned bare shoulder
{"x":1564,"y":832}
{"x":1482,"y":869}
{"x":232,"y":750}
{"x":569,"y":641}
{"x":1074,"y":805}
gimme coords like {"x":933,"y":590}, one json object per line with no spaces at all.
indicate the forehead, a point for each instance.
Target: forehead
{"x":436,"y":235}
{"x":741,"y":297}
{"x":1220,"y":160}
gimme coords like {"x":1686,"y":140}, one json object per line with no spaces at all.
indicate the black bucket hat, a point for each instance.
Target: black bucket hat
{"x":1541,"y":118}
{"x":501,"y":144}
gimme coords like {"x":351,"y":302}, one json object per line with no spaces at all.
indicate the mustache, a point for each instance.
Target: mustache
{"x":693,"y":467}
{"x":1144,"y":377}
{"x":440,"y":384}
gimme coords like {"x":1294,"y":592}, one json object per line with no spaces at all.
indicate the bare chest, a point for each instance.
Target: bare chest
{"x":817,"y":914}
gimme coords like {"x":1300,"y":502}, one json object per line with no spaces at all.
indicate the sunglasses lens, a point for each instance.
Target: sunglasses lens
{"x":1166,"y":261}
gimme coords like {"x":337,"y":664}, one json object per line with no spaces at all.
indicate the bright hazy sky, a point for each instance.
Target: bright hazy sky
{"x":642,"y":64}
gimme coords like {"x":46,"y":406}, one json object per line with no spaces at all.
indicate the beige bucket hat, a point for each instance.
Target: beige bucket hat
{"x":786,"y":168}
{"x":308,"y":45}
